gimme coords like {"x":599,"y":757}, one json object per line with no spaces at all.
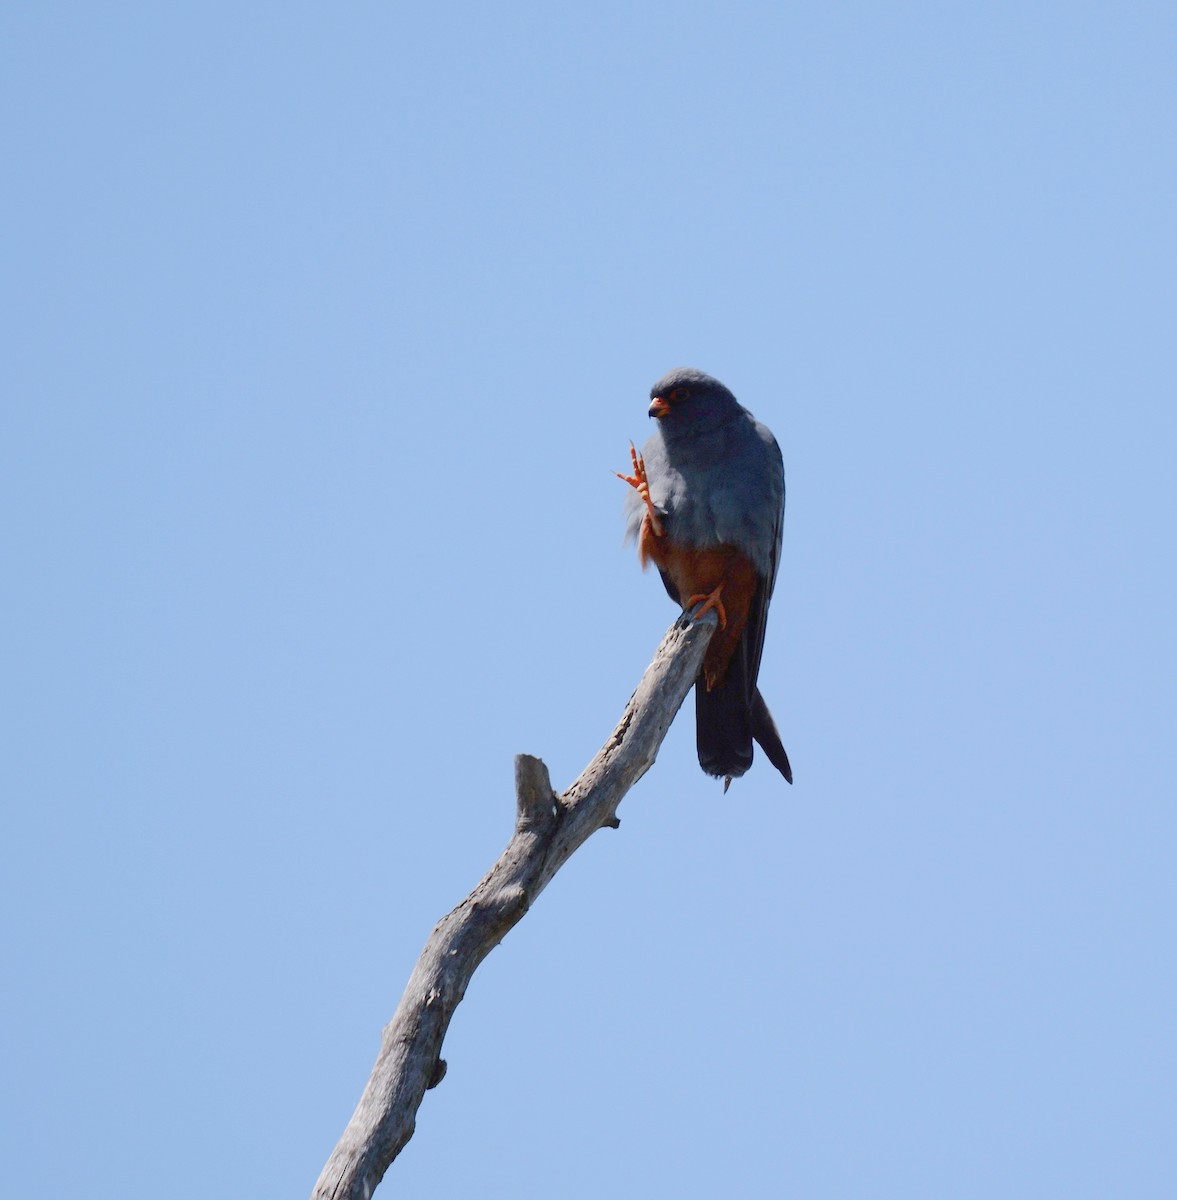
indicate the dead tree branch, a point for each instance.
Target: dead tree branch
{"x":548,"y":830}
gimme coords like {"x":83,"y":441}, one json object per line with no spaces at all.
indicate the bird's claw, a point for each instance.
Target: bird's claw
{"x":710,"y":601}
{"x":638,"y":479}
{"x":641,"y":481}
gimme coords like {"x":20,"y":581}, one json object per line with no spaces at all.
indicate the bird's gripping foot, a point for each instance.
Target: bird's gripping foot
{"x":709,"y":601}
{"x":640,"y":481}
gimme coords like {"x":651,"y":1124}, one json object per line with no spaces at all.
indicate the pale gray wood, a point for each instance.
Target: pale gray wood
{"x":548,"y":830}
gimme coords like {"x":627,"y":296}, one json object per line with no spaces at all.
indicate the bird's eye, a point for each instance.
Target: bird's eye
{"x":678,"y":395}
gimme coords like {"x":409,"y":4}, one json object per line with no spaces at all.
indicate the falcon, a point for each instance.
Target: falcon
{"x":707,"y":509}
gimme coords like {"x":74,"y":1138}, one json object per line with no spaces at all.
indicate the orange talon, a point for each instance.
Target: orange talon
{"x":709,"y":602}
{"x":640,"y":481}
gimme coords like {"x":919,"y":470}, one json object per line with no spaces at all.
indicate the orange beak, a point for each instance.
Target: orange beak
{"x":659,"y":407}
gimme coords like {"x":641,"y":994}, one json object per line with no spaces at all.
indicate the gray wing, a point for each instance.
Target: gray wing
{"x":764,"y":529}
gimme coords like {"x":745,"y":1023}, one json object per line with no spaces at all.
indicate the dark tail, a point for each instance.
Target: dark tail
{"x":725,"y":726}
{"x":723,"y":729}
{"x":764,"y":731}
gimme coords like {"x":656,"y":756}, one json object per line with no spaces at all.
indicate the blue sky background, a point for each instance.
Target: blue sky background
{"x":325,"y":327}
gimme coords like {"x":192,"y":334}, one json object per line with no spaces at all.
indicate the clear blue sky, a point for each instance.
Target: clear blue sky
{"x":325,"y":327}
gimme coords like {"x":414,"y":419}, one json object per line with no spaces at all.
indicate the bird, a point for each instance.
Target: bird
{"x":707,"y":508}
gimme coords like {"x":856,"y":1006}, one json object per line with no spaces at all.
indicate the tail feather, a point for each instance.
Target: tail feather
{"x":765,"y":732}
{"x":723,"y":730}
{"x":725,"y":726}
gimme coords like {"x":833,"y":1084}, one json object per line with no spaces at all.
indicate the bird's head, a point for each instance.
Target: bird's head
{"x":686,"y":397}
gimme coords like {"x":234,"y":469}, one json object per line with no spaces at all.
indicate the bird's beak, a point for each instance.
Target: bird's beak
{"x":659,"y":407}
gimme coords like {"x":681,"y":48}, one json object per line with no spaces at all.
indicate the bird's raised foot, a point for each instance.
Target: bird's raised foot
{"x":640,"y":481}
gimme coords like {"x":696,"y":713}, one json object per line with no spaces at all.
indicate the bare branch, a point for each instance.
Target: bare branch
{"x":548,"y":830}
